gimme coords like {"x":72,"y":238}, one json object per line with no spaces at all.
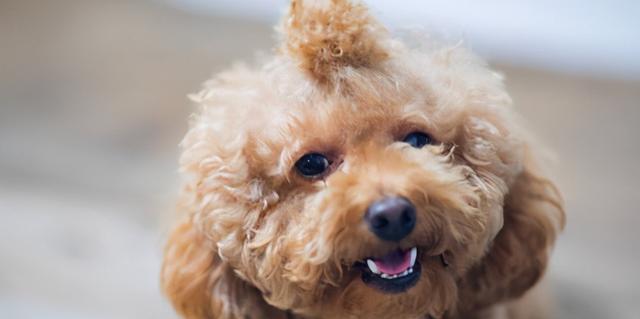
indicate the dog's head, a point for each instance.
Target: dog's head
{"x":354,"y":176}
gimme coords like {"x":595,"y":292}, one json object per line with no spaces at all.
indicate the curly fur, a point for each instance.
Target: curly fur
{"x":259,"y":241}
{"x":324,"y":36}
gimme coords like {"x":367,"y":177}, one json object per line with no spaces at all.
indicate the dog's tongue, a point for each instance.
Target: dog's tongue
{"x":394,"y":263}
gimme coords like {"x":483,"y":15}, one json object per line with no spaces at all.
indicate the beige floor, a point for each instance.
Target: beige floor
{"x":92,"y":106}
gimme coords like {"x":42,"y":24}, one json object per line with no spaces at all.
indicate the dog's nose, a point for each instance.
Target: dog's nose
{"x":391,"y":218}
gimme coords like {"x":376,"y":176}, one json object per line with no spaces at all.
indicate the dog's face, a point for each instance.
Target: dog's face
{"x":360,"y":204}
{"x":367,"y":191}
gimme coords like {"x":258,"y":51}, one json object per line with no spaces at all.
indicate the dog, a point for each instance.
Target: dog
{"x":353,"y":176}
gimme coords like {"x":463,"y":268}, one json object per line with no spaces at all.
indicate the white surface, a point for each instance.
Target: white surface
{"x":85,"y":257}
{"x":600,"y":37}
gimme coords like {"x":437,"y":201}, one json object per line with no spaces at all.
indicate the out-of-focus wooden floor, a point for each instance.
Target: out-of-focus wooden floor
{"x":92,"y":107}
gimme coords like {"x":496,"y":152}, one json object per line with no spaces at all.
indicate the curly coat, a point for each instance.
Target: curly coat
{"x":257,"y":240}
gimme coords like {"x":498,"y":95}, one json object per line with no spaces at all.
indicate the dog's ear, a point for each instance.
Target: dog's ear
{"x":326,"y":36}
{"x":533,"y":216}
{"x":187,"y":272}
{"x":200,"y":286}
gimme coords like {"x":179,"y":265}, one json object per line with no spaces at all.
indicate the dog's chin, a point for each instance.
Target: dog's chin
{"x":393,"y":273}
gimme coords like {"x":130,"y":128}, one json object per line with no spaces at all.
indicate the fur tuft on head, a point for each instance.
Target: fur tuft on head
{"x":327,"y":35}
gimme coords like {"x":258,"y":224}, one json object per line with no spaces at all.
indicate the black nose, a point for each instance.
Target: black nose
{"x":391,"y":218}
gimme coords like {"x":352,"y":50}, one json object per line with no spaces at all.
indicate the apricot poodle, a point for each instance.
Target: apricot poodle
{"x":354,"y":176}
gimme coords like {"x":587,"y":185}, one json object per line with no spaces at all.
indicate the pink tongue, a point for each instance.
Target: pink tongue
{"x":394,"y":263}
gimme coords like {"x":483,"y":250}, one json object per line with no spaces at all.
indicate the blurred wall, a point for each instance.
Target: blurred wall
{"x":598,"y":37}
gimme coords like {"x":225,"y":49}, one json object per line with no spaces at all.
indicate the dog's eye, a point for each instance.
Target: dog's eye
{"x":418,"y":139}
{"x":312,"y":165}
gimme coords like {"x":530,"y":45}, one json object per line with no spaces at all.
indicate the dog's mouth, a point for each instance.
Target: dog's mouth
{"x":395,"y":272}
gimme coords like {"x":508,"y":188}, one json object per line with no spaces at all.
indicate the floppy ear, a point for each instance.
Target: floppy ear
{"x":533,"y":216}
{"x":187,"y":271}
{"x":200,"y":286}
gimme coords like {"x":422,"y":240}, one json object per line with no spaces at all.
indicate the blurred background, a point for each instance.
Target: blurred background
{"x":93,"y":105}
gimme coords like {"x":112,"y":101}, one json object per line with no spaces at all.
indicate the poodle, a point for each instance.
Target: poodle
{"x":351,"y":175}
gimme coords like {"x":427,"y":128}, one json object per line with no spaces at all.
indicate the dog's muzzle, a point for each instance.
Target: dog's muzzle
{"x":391,"y":219}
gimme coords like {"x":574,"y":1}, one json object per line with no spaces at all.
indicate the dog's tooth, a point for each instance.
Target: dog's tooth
{"x":372,"y":266}
{"x":414,"y":255}
{"x":410,"y":270}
